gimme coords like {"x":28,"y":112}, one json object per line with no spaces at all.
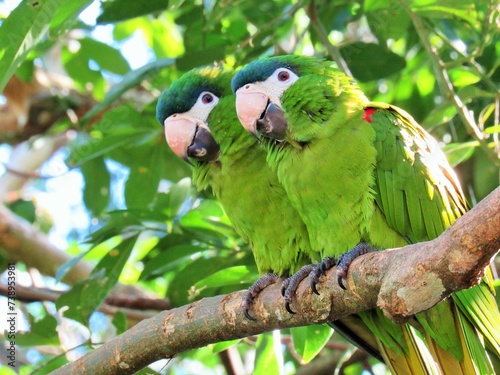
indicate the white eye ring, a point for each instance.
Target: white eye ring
{"x":208,"y":99}
{"x":284,"y":77}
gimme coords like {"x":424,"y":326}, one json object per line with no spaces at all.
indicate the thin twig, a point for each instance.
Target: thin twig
{"x":289,"y":13}
{"x":31,"y":175}
{"x":109,"y":307}
{"x":332,"y":50}
{"x":446,"y":86}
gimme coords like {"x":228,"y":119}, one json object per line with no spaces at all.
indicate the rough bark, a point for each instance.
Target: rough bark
{"x":395,"y":280}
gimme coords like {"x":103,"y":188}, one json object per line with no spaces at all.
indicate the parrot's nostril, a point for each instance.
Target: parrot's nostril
{"x":247,"y":87}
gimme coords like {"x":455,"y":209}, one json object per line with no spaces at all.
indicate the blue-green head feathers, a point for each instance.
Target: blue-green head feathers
{"x":183,"y":93}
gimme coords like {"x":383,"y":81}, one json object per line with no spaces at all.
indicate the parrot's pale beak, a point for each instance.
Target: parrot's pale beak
{"x":250,"y":105}
{"x":259,"y":115}
{"x":179,"y":132}
{"x":188,"y":139}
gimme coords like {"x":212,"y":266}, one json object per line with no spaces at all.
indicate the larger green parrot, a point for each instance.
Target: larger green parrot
{"x":201,"y":126}
{"x":365,"y":175}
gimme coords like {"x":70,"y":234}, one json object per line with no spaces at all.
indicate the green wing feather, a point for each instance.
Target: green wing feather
{"x":420,"y":197}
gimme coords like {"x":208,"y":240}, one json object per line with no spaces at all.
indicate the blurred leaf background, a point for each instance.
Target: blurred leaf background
{"x":82,"y":77}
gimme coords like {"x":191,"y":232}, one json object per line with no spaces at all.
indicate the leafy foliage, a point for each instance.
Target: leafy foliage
{"x":153,"y":230}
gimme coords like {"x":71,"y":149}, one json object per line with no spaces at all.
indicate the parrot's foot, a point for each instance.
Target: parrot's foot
{"x":252,"y":292}
{"x":320,"y":270}
{"x":346,"y":259}
{"x":290,"y":285}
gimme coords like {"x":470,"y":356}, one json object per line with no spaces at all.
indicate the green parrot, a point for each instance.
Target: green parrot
{"x":199,"y":117}
{"x":201,"y":127}
{"x":363,"y":176}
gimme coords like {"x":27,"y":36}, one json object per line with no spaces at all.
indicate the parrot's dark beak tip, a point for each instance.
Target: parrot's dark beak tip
{"x":272,"y":124}
{"x":256,"y":135}
{"x":203,"y":148}
{"x":186,"y":159}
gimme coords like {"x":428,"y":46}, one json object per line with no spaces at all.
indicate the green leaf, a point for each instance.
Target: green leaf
{"x":223,"y":345}
{"x":180,"y":290}
{"x":120,"y":322}
{"x":21,"y":31}
{"x":448,"y":9}
{"x":120,"y":10}
{"x":107,"y":57}
{"x":203,"y":43}
{"x":4,"y":370}
{"x":46,"y":365}
{"x":179,"y":193}
{"x":86,"y":296}
{"x":492,"y":129}
{"x":308,"y":341}
{"x":66,"y":267}
{"x":120,"y":221}
{"x":144,"y":178}
{"x":77,"y":66}
{"x":67,"y":16}
{"x":175,"y":169}
{"x":25,"y":209}
{"x":236,"y":275}
{"x":197,"y":217}
{"x":155,"y":32}
{"x":485,"y":174}
{"x":468,"y":93}
{"x":459,"y":152}
{"x":120,"y":129}
{"x":26,"y":70}
{"x":387,"y":19}
{"x":168,"y":258}
{"x":42,"y":332}
{"x":97,"y":184}
{"x":382,"y":64}
{"x":131,"y":79}
{"x":441,"y":114}
{"x":463,"y":77}
{"x":268,"y":356}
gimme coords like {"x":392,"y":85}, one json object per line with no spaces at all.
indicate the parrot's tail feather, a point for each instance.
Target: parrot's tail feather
{"x":458,"y":331}
{"x":416,"y":361}
{"x":476,"y":357}
{"x":479,"y":306}
{"x":402,"y":348}
{"x":447,"y":361}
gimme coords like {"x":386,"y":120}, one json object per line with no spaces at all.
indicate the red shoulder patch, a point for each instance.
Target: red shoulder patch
{"x":368,"y":114}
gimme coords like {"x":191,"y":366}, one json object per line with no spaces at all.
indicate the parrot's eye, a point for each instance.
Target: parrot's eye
{"x":283,"y":76}
{"x":205,"y":103}
{"x":207,"y":98}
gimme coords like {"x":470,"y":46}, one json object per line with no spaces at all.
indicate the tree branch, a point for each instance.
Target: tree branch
{"x":134,"y":308}
{"x":24,"y":243}
{"x":402,"y":282}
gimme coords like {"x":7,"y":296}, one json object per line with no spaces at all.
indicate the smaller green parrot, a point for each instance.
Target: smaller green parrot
{"x":201,"y":126}
{"x":365,"y":176}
